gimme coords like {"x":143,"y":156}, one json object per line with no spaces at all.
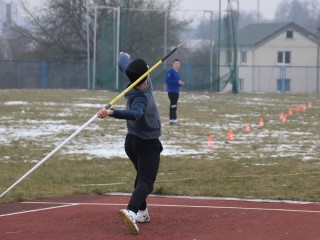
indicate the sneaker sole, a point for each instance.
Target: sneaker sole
{"x":133,"y":228}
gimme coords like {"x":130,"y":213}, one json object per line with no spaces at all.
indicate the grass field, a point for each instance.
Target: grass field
{"x":277,"y":161}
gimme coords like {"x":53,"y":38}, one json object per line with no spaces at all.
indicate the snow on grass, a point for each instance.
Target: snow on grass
{"x":16,"y":103}
{"x":265,"y":142}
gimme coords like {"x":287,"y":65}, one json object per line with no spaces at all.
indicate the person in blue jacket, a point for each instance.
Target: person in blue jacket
{"x":142,"y":144}
{"x":174,"y":82}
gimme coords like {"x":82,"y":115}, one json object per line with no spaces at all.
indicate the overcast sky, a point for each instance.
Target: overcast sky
{"x":267,"y":7}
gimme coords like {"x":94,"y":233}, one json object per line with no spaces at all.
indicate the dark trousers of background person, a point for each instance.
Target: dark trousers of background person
{"x":145,"y":156}
{"x":173,"y":97}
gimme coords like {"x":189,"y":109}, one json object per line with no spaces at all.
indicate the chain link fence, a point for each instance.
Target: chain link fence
{"x":73,"y":75}
{"x":43,"y":74}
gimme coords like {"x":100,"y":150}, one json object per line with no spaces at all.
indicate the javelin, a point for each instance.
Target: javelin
{"x":113,"y":101}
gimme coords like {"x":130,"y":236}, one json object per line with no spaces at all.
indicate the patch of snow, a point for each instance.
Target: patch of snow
{"x":16,"y":103}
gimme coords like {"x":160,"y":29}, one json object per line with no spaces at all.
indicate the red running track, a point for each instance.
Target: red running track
{"x":96,"y":217}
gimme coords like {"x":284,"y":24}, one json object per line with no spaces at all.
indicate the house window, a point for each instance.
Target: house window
{"x":290,"y":34}
{"x":243,"y":57}
{"x":228,"y":57}
{"x":284,"y":57}
{"x":283,"y":85}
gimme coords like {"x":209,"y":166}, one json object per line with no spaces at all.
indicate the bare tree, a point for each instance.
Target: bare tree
{"x":305,"y":13}
{"x":282,"y":11}
{"x":58,"y":29}
{"x":247,"y":18}
{"x":313,"y":21}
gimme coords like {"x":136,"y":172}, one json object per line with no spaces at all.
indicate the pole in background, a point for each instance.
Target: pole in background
{"x":235,"y":30}
{"x":165,"y":35}
{"x":318,"y":67}
{"x":211,"y":48}
{"x":219,"y":45}
{"x":118,"y":48}
{"x":94,"y":49}
{"x":258,"y":11}
{"x":88,"y":45}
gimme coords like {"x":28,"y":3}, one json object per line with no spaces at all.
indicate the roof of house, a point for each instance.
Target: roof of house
{"x":255,"y":34}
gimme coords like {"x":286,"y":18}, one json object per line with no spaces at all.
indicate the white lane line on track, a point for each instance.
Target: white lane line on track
{"x":121,"y":183}
{"x":218,"y":198}
{"x":190,"y":206}
{"x":40,"y":209}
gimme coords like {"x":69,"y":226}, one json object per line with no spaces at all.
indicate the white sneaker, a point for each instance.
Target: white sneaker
{"x":143,"y":216}
{"x":129,"y":218}
{"x":174,"y":122}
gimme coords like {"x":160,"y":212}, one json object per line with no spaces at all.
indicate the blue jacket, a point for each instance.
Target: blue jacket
{"x":172,"y":80}
{"x":142,"y":114}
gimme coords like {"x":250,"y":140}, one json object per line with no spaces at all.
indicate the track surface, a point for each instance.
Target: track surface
{"x":96,"y":218}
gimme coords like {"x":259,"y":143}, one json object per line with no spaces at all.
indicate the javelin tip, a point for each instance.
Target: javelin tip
{"x":172,"y":51}
{"x":179,"y":45}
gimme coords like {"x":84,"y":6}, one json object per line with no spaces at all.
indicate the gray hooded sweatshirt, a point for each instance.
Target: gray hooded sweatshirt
{"x":142,"y":113}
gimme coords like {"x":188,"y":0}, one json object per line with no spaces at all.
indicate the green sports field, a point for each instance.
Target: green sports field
{"x":279,"y":160}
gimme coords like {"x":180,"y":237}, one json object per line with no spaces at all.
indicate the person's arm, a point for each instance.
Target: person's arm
{"x":124,"y":61}
{"x":136,"y":110}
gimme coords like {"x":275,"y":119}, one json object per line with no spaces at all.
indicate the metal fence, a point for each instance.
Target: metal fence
{"x":43,"y":74}
{"x":17,"y":74}
{"x":73,"y":75}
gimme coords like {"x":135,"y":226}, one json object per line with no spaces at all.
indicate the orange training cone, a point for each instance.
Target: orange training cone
{"x":284,"y":118}
{"x":298,"y":108}
{"x":230,"y":135}
{"x":290,"y":112}
{"x":210,"y":142}
{"x":303,"y":107}
{"x":261,"y":122}
{"x":281,"y":116}
{"x":247,"y":128}
{"x":309,"y":104}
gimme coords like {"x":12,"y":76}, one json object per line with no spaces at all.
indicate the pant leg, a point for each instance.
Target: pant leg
{"x":147,"y":155}
{"x":173,"y":97}
{"x":129,"y":147}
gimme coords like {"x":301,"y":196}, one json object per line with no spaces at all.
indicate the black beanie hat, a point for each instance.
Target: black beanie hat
{"x":136,"y":69}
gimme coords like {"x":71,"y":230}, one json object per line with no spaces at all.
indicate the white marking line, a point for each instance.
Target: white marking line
{"x":217,"y":198}
{"x":120,"y":183}
{"x":241,"y":208}
{"x":189,"y":206}
{"x":101,"y":184}
{"x":40,"y":209}
{"x":175,"y":180}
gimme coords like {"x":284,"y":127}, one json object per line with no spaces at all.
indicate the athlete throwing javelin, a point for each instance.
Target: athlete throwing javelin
{"x":142,"y":144}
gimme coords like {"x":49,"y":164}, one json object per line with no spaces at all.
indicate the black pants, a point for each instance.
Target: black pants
{"x":145,"y":156}
{"x":173,"y":97}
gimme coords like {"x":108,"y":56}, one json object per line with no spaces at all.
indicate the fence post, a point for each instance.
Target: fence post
{"x":43,"y":74}
{"x":19,"y":79}
{"x":68,"y":74}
